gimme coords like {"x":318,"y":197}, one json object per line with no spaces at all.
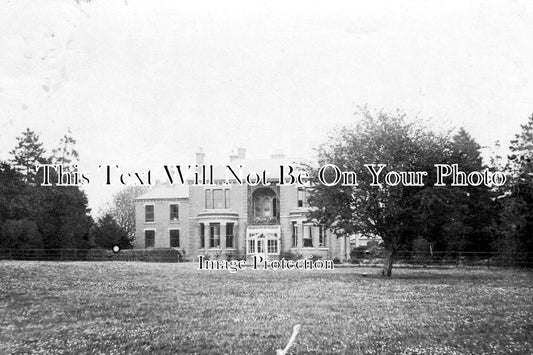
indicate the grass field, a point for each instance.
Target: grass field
{"x":128,"y":307}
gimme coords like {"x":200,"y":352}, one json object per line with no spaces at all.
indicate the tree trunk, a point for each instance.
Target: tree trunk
{"x":387,"y":264}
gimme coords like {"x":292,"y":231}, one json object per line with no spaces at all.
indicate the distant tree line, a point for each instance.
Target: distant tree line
{"x":497,"y":220}
{"x":53,"y":217}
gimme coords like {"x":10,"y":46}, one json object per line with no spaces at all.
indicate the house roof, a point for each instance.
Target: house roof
{"x":270,"y":165}
{"x":165,"y":191}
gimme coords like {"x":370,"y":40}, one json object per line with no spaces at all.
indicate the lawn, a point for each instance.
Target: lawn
{"x":134,"y":307}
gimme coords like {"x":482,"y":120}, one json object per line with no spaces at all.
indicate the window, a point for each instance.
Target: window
{"x":208,"y":199}
{"x":251,"y":246}
{"x":258,"y":207}
{"x":265,"y":205}
{"x":202,"y":235}
{"x":174,"y":212}
{"x":149,"y":213}
{"x":226,"y":195}
{"x":294,"y":234}
{"x":272,"y":246}
{"x":229,"y":235}
{"x":321,"y":236}
{"x":301,"y":197}
{"x":261,"y":246}
{"x":218,"y":199}
{"x":214,"y":228}
{"x":308,"y":239}
{"x":174,"y":238}
{"x":149,"y":238}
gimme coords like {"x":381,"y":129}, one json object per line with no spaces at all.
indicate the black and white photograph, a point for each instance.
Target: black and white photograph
{"x":266,"y":177}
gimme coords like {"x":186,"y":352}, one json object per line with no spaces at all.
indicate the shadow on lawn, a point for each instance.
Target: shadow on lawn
{"x":429,"y":276}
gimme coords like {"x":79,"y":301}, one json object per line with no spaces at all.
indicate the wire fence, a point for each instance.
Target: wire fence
{"x":358,"y":257}
{"x":150,"y":255}
{"x":448,"y":258}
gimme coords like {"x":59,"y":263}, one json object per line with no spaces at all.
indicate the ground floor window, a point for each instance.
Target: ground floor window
{"x":262,"y":246}
{"x":174,"y":238}
{"x":229,"y":235}
{"x":263,"y":239}
{"x":321,"y":236}
{"x":308,"y":238}
{"x":202,"y":235}
{"x":251,"y":246}
{"x":214,"y":229}
{"x":272,"y":246}
{"x":294,"y":234}
{"x":149,"y":238}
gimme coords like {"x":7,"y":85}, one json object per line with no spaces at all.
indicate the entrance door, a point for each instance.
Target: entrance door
{"x":263,"y":240}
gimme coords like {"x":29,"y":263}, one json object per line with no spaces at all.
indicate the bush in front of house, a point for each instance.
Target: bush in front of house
{"x":149,"y":255}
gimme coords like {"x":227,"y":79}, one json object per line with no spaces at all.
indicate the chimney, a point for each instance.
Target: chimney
{"x":241,"y":153}
{"x":233,"y":156}
{"x":200,"y":156}
{"x":277,"y":155}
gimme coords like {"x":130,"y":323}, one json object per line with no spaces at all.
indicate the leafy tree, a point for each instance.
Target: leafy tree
{"x":398,"y":214}
{"x":14,"y":203}
{"x":123,"y":208}
{"x":20,"y":234}
{"x":516,"y":218}
{"x":66,"y":153}
{"x":107,"y":233}
{"x":469,"y":225}
{"x":28,"y":152}
{"x":60,"y":213}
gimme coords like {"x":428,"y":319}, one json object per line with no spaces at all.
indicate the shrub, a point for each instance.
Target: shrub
{"x":290,"y":256}
{"x":366,"y":252}
{"x":151,"y":255}
{"x":358,"y":253}
{"x":234,"y":256}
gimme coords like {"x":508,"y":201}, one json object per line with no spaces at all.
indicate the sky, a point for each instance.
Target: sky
{"x":145,"y":83}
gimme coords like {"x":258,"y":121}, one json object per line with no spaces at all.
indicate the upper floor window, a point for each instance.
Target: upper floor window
{"x":265,"y":206}
{"x":217,"y":198}
{"x":302,"y":198}
{"x":174,"y":235}
{"x":174,"y":212}
{"x":149,"y":213}
{"x":227,"y":198}
{"x":149,"y":238}
{"x":208,"y":199}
